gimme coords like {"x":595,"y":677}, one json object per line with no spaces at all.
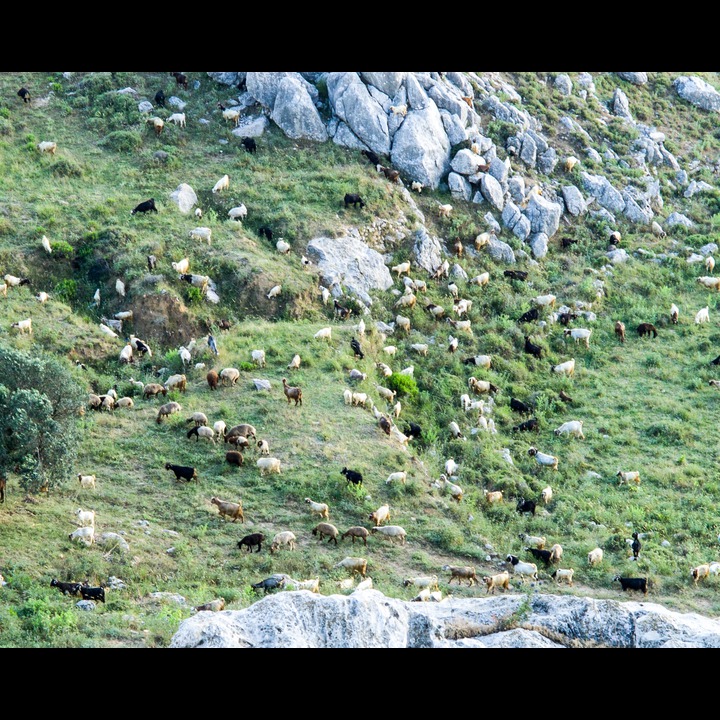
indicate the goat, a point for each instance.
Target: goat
{"x":229,"y":509}
{"x":92,"y":593}
{"x":531,"y":424}
{"x":444,"y":210}
{"x":292,"y":393}
{"x":519,"y":406}
{"x":321,"y":509}
{"x":353,"y":564}
{"x":24,"y":93}
{"x":143,"y":207}
{"x":530,"y":315}
{"x":639,"y":584}
{"x":516,"y":274}
{"x":524,"y":506}
{"x":595,"y":556}
{"x":249,"y":144}
{"x":351,"y":476}
{"x":579,"y":334}
{"x":389,"y":173}
{"x":177,"y":119}
{"x":252,"y":540}
{"x":324,"y":529}
{"x":274,"y":582}
{"x":47,"y":146}
{"x":532,"y":349}
{"x":702,"y":315}
{"x":166,"y":410}
{"x":566,"y":368}
{"x":213,"y":606}
{"x":157,"y":123}
{"x":523,"y":569}
{"x":646,"y":329}
{"x":565,"y":574}
{"x":356,"y":531}
{"x":620,"y":331}
{"x":636,"y":545}
{"x":66,"y":588}
{"x":461,"y":573}
{"x":628,"y":477}
{"x":268,"y":465}
{"x":381,"y":515}
{"x":183,"y":473}
{"x":202,"y":431}
{"x":354,"y":199}
{"x":543,"y":459}
{"x":286,"y":537}
{"x":180,"y":79}
{"x":501,"y":580}
{"x":390,"y":531}
{"x":371,"y":157}
{"x":571,"y":427}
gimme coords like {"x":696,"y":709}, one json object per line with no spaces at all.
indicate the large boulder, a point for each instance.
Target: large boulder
{"x":352,"y":102}
{"x":359,"y":268}
{"x":386,"y":82}
{"x":421,"y":149}
{"x":295,"y":113}
{"x":184,"y":197}
{"x":265,"y":86}
{"x":369,"y":619}
{"x":427,"y":250}
{"x":697,"y":92}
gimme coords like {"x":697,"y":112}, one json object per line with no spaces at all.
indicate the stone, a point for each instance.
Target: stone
{"x":184,"y":197}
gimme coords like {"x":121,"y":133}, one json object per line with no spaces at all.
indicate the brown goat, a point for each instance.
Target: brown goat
{"x":213,"y":379}
{"x":357,"y":531}
{"x":153,"y":389}
{"x":390,"y":174}
{"x":229,"y":509}
{"x":234,"y":457}
{"x":292,"y":393}
{"x":620,"y":330}
{"x":322,"y":529}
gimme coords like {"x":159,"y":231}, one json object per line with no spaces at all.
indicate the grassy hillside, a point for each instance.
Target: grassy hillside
{"x":646,"y":404}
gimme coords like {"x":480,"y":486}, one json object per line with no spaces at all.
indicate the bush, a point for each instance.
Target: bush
{"x":125,"y":141}
{"x":62,"y":249}
{"x":403,"y":385}
{"x":66,"y":290}
{"x":67,"y":167}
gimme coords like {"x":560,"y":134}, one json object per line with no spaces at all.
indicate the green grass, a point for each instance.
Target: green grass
{"x":646,"y":404}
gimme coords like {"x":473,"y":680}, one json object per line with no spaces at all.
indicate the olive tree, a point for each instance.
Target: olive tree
{"x":40,"y":404}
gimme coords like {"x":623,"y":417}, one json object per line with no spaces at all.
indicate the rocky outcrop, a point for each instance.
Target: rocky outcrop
{"x":352,"y":263}
{"x":184,"y":197}
{"x":698,"y":92}
{"x":369,"y":619}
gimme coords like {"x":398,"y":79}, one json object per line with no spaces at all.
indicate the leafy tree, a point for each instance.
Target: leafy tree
{"x":39,"y":402}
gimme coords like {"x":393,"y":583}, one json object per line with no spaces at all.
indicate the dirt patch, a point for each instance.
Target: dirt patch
{"x":164,"y":320}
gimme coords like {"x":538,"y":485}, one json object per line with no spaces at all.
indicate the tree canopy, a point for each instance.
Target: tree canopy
{"x":39,"y":408}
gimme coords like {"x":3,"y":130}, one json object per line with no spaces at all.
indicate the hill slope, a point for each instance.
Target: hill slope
{"x":646,"y":403}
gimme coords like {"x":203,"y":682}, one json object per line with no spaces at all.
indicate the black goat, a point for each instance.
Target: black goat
{"x":265,"y":231}
{"x":143,"y":207}
{"x":519,"y":406}
{"x":160,"y":98}
{"x":640,"y":584}
{"x":531,"y":424}
{"x":516,"y":274}
{"x":384,"y":424}
{"x":354,"y":199}
{"x":183,"y":473}
{"x":532,"y":348}
{"x":352,"y":476}
{"x":565,"y":397}
{"x":180,"y":79}
{"x":249,"y":144}
{"x":716,"y":361}
{"x":371,"y":156}
{"x":274,"y":582}
{"x":355,"y":345}
{"x":24,"y":93}
{"x":251,"y":541}
{"x":141,"y":348}
{"x":636,"y":545}
{"x":545,"y":555}
{"x":566,"y":242}
{"x":646,"y":329}
{"x":66,"y":588}
{"x":413,"y":430}
{"x":524,"y":506}
{"x":567,"y":317}
{"x":151,"y":262}
{"x":530,"y":315}
{"x":342,"y":312}
{"x":3,"y":482}
{"x":92,"y":593}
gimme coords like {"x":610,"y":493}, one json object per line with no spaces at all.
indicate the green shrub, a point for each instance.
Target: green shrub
{"x":66,"y":290}
{"x":403,"y":385}
{"x":5,"y":126}
{"x":125,"y":141}
{"x":67,"y":167}
{"x":62,"y":249}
